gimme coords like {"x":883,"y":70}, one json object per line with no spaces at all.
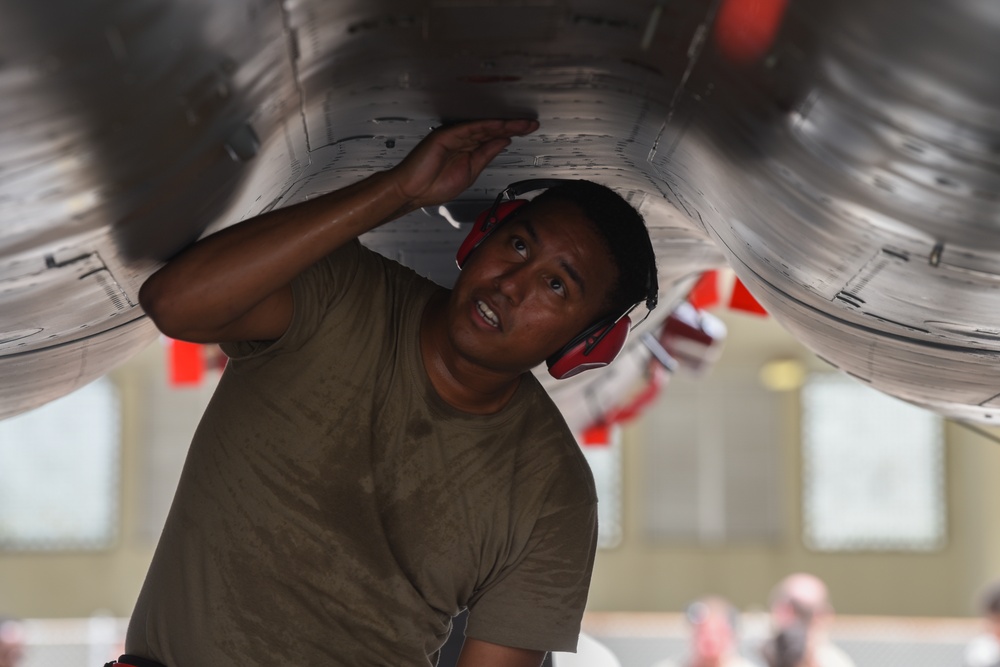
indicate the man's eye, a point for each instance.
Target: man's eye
{"x":520,"y":246}
{"x":557,"y":286}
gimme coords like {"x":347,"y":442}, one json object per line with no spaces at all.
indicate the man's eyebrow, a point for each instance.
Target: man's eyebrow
{"x":570,"y":271}
{"x":577,"y":278}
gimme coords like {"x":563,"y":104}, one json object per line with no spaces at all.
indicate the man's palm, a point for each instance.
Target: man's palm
{"x":450,"y":159}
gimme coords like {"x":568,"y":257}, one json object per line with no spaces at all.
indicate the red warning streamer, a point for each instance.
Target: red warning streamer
{"x":598,"y":434}
{"x":705,"y":292}
{"x":187,"y":363}
{"x":742,"y":299}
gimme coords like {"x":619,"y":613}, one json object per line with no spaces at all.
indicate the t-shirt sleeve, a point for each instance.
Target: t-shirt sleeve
{"x":539,"y":602}
{"x":315,"y":292}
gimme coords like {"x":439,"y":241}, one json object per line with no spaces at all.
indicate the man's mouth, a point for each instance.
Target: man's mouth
{"x":487,"y":314}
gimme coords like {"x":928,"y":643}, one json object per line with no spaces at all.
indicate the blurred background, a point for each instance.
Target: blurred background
{"x":767,"y":465}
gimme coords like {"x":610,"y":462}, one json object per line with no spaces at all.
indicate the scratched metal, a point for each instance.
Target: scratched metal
{"x":849,"y":176}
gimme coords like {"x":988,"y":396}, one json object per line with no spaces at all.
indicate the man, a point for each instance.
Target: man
{"x":800,"y":615}
{"x":377,"y":457}
{"x":713,"y":621}
{"x":11,"y":642}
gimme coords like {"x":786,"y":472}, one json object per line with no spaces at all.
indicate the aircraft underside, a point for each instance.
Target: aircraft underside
{"x":842,"y":157}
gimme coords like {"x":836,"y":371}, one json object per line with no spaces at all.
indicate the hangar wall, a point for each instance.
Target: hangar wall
{"x":640,"y":574}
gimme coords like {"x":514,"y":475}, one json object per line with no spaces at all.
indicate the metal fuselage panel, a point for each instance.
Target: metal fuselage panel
{"x":849,"y":174}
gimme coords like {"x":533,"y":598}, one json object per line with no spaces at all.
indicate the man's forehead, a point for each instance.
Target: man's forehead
{"x":564,"y":216}
{"x":595,"y":278}
{"x":565,"y":212}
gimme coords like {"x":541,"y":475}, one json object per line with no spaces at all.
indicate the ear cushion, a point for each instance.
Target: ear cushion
{"x":482,"y":228}
{"x":574,"y":359}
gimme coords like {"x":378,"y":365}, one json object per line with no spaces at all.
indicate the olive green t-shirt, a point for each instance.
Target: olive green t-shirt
{"x":334,"y":510}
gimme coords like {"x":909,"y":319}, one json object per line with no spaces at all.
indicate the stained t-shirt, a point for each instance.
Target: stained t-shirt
{"x":334,"y":510}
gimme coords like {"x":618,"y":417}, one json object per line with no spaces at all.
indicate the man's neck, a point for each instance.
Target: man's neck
{"x":459,"y":382}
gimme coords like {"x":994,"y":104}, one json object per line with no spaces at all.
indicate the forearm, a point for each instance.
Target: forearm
{"x":218,"y":279}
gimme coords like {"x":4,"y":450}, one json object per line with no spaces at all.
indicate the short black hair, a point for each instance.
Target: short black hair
{"x":624,"y":233}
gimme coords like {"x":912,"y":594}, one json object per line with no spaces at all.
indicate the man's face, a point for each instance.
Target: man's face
{"x":713,"y":638}
{"x":539,"y":280}
{"x":11,"y":643}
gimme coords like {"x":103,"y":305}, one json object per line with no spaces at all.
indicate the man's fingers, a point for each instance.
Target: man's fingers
{"x":488,"y":150}
{"x":511,"y":128}
{"x":468,"y":136}
{"x":483,"y":155}
{"x":522,"y":126}
{"x":455,"y":153}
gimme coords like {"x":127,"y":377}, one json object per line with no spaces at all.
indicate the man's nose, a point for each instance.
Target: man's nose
{"x":511,"y":284}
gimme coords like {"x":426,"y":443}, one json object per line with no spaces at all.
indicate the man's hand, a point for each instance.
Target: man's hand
{"x":449,"y":160}
{"x":236,"y":284}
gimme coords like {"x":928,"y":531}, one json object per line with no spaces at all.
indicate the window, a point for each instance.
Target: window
{"x":59,"y":473}
{"x":873,"y":469}
{"x":712,"y":466}
{"x":604,"y":455}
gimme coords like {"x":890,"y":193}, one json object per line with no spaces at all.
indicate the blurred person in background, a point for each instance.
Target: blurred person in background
{"x":11,"y":642}
{"x":984,"y":650}
{"x":800,"y":616}
{"x":714,"y":643}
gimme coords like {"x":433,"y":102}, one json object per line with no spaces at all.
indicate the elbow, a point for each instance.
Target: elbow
{"x":161,"y":306}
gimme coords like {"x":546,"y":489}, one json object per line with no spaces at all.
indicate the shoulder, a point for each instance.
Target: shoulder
{"x":351,"y":290}
{"x":358,"y":284}
{"x":539,"y":411}
{"x":354,"y":262}
{"x":546,"y":437}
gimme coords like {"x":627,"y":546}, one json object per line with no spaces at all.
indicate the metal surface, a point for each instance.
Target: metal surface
{"x":849,"y":175}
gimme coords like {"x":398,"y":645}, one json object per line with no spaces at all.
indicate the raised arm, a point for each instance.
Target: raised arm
{"x":236,"y":283}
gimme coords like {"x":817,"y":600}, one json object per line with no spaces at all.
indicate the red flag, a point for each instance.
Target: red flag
{"x":597,"y":436}
{"x":705,"y":292}
{"x":187,"y":363}
{"x":742,"y":299}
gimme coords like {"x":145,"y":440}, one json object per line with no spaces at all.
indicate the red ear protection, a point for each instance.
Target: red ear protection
{"x":485,"y":223}
{"x":594,"y":348}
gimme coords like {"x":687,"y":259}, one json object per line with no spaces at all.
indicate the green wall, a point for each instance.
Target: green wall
{"x":637,"y":575}
{"x":640,"y":575}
